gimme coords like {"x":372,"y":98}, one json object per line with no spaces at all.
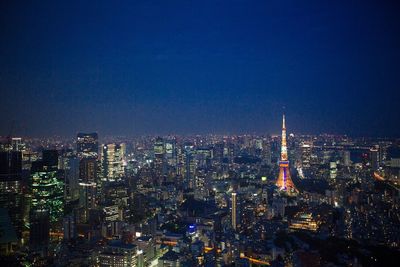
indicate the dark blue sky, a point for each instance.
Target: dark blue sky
{"x":159,"y":67}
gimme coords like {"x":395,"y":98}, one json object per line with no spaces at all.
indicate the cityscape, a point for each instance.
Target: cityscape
{"x":226,"y":133}
{"x":241,"y":200}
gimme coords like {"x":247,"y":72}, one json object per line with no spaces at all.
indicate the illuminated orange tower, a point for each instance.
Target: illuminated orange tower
{"x":284,"y":182}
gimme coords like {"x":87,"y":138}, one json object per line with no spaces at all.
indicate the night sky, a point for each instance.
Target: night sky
{"x":184,"y":67}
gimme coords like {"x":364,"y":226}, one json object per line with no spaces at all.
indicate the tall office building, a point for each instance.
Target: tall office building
{"x":159,"y":149}
{"x":46,"y":187}
{"x":69,"y":167}
{"x":11,"y":194}
{"x":87,"y":145}
{"x":8,"y":238}
{"x":234,"y":211}
{"x":87,"y":148}
{"x":170,"y":151}
{"x":306,"y":152}
{"x":190,"y":166}
{"x":17,"y":144}
{"x":160,"y":164}
{"x":69,"y":228}
{"x":113,"y":161}
{"x":333,"y":169}
{"x":39,"y":228}
{"x":284,"y":181}
{"x":266,"y":153}
{"x":346,"y":158}
{"x":218,"y":152}
{"x":374,"y":157}
{"x":87,"y":183}
{"x":50,"y":159}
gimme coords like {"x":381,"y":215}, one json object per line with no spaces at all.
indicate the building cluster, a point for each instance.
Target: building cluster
{"x":209,"y":200}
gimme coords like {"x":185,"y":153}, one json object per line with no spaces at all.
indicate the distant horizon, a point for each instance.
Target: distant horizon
{"x":154,"y":135}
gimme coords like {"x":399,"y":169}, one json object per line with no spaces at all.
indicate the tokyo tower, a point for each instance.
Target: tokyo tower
{"x":284,"y":182}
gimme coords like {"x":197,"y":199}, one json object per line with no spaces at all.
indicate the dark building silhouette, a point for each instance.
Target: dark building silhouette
{"x":50,"y":159}
{"x":11,"y":195}
{"x":39,"y":229}
{"x":10,"y":165}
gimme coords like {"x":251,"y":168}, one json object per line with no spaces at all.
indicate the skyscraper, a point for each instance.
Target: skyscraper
{"x":112,"y":161}
{"x":87,"y":148}
{"x":69,"y":227}
{"x":346,"y":158}
{"x":87,"y":145}
{"x":306,"y":153}
{"x":374,"y":157}
{"x":69,"y":167}
{"x":234,"y":210}
{"x":17,"y":144}
{"x":47,"y":188}
{"x":159,"y":148}
{"x":11,"y":195}
{"x":190,"y":165}
{"x":87,"y":182}
{"x":50,"y":159}
{"x":39,"y":228}
{"x":159,"y":159}
{"x":170,"y":151}
{"x":284,"y":182}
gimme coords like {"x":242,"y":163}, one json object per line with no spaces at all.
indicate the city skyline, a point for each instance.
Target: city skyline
{"x":214,"y":199}
{"x":155,"y":68}
{"x":206,"y":133}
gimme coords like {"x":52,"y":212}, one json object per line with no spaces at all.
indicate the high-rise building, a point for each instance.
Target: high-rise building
{"x":118,"y":254}
{"x":203,"y":157}
{"x":346,"y":158}
{"x":160,"y":165}
{"x":190,"y":166}
{"x":87,"y":182}
{"x":8,"y":239}
{"x":170,"y":151}
{"x":87,"y":148}
{"x":69,"y":227}
{"x":10,"y":165}
{"x":218,"y":152}
{"x":17,"y":144}
{"x":113,"y":161}
{"x":284,"y":181}
{"x":87,"y":145}
{"x":69,"y":167}
{"x":39,"y":228}
{"x":374,"y":157}
{"x":47,"y":188}
{"x":159,"y":149}
{"x":201,"y":185}
{"x":234,"y":212}
{"x":333,"y":169}
{"x":88,"y":171}
{"x":11,"y":194}
{"x":50,"y":159}
{"x":306,"y":151}
{"x":266,"y":153}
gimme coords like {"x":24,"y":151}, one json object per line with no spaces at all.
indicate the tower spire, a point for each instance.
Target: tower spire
{"x":284,"y":144}
{"x":284,"y":181}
